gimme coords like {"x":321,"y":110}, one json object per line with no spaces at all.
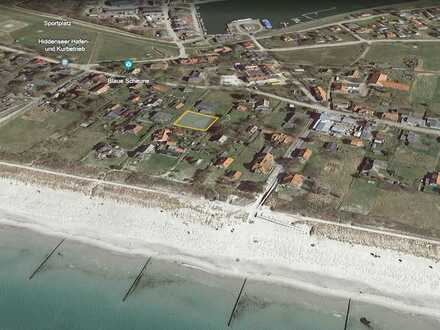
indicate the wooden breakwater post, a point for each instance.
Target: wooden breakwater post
{"x":347,"y":314}
{"x":46,"y":259}
{"x":236,"y":302}
{"x":136,"y":280}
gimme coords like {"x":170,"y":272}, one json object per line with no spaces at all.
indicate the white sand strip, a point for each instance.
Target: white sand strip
{"x":261,"y":250}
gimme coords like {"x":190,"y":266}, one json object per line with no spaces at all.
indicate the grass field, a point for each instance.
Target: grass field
{"x":32,"y":128}
{"x":277,"y":42}
{"x":411,"y":165}
{"x":426,"y":90}
{"x":394,"y":54}
{"x":195,"y":121}
{"x":157,"y":164}
{"x":102,"y":46}
{"x":10,"y":25}
{"x":417,"y":212}
{"x":342,"y":55}
{"x":333,"y":170}
{"x":115,"y":47}
{"x":361,"y":197}
{"x":409,"y":211}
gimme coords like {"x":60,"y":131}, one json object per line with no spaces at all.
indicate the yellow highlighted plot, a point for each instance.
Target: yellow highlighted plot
{"x":196,"y":121}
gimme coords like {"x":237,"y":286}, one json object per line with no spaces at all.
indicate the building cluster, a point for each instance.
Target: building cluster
{"x":185,"y":22}
{"x":24,"y":78}
{"x":132,"y":16}
{"x":342,"y":126}
{"x":254,"y":75}
{"x":400,"y":25}
{"x":331,"y":34}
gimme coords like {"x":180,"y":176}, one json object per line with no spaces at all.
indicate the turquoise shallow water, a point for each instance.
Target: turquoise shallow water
{"x":82,"y":288}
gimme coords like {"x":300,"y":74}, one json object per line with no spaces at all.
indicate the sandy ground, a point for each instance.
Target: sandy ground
{"x":229,"y":244}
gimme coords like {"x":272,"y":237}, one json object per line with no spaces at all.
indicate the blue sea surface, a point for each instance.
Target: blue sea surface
{"x":81,"y":287}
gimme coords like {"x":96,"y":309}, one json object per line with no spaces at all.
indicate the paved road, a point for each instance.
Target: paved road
{"x":172,"y":33}
{"x":289,"y":220}
{"x":88,"y":179}
{"x":349,"y":43}
{"x":19,"y":111}
{"x":321,"y":108}
{"x":314,"y":106}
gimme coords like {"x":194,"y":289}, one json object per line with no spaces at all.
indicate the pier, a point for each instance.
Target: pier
{"x":40,"y":266}
{"x":135,"y":283}
{"x":317,"y":13}
{"x":347,"y":314}
{"x":236,"y":302}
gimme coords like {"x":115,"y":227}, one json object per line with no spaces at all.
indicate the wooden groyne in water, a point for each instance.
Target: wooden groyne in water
{"x":347,"y":314}
{"x":236,"y":302}
{"x":136,"y":280}
{"x":46,"y":259}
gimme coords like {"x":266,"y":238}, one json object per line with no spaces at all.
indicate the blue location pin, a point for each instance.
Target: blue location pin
{"x":128,"y":65}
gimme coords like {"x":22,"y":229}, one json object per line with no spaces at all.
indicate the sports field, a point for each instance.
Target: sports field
{"x":10,"y":25}
{"x":26,"y":29}
{"x":195,"y":121}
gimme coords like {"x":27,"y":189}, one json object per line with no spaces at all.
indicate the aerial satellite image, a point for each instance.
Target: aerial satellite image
{"x":220,"y":164}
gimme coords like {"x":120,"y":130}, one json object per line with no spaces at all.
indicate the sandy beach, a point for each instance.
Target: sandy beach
{"x":218,"y":238}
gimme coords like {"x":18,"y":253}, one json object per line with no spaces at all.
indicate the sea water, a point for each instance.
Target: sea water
{"x":81,"y":287}
{"x":217,"y":14}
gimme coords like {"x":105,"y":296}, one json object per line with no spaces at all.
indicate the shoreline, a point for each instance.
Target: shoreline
{"x":208,"y":266}
{"x":286,"y":257}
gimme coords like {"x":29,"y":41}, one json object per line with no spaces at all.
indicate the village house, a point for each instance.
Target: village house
{"x":319,"y":93}
{"x":373,"y":167}
{"x":436,"y":179}
{"x":303,"y":154}
{"x":159,"y":66}
{"x":377,"y":78}
{"x":162,"y":135}
{"x":357,"y":142}
{"x":294,"y":180}
{"x":281,"y":138}
{"x":262,"y":105}
{"x":391,"y":116}
{"x":135,"y":98}
{"x":100,"y":89}
{"x":248,"y":45}
{"x":224,"y":162}
{"x":380,"y":79}
{"x":364,"y":111}
{"x":106,"y":151}
{"x":233,"y":176}
{"x":160,"y":88}
{"x":263,"y":163}
{"x":134,"y":129}
{"x":223,"y":50}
